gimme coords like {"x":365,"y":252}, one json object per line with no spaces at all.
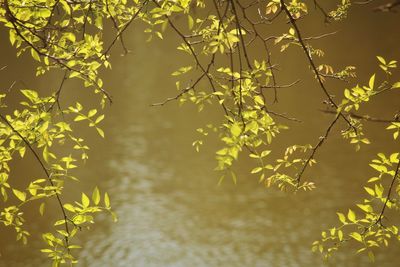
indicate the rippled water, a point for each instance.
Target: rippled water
{"x":171,"y":211}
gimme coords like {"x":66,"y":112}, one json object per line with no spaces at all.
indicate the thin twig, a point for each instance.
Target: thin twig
{"x":362,"y":117}
{"x":307,"y":53}
{"x":389,"y":192}
{"x":315,"y":148}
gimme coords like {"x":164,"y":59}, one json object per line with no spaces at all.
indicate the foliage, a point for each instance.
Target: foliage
{"x":227,"y":71}
{"x":68,"y":36}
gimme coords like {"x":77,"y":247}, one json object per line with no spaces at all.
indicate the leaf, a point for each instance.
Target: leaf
{"x":371,"y":256}
{"x":356,"y":236}
{"x":394,"y":158}
{"x":41,"y":208}
{"x":351,"y":216}
{"x":379,"y":190}
{"x":47,"y":155}
{"x":80,"y":118}
{"x":35,"y":54}
{"x":96,"y":196}
{"x":381,"y":59}
{"x":106,"y":200}
{"x":70,"y":36}
{"x":256,"y":170}
{"x":159,"y":35}
{"x":379,"y":168}
{"x":370,"y":191}
{"x":69,"y":207}
{"x":396,"y":85}
{"x":85,"y":200}
{"x":30,"y":94}
{"x":373,"y":179}
{"x":342,"y":218}
{"x":99,"y":119}
{"x":74,"y":74}
{"x":190,"y":22}
{"x":20,"y":195}
{"x":12,"y":37}
{"x":92,"y":112}
{"x":371,"y":81}
{"x":114,"y":216}
{"x":235,"y":130}
{"x":340,"y":235}
{"x":265,"y":153}
{"x":22,"y":151}
{"x":100,"y":131}
{"x":366,"y":208}
{"x":234,"y":178}
{"x":259,"y":100}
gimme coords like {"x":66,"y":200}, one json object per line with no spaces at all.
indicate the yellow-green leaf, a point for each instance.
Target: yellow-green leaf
{"x":96,"y":196}
{"x":41,"y":208}
{"x":20,"y":195}
{"x":351,"y":216}
{"x":106,"y":200}
{"x":85,"y":200}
